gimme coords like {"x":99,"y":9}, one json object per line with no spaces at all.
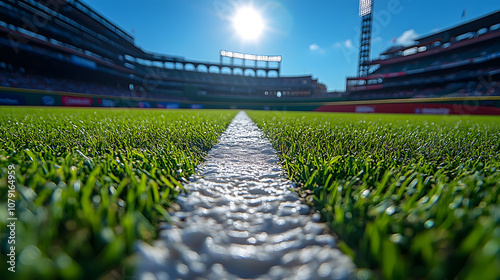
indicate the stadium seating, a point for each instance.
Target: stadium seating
{"x":18,"y":79}
{"x":103,"y":61}
{"x":82,"y":41}
{"x":444,"y":64}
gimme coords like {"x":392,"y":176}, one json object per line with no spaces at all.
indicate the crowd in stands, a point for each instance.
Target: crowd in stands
{"x":18,"y":79}
{"x":224,"y":77}
{"x":380,"y":95}
{"x":477,"y":89}
{"x":30,"y":81}
{"x":463,"y":89}
{"x":442,"y":60}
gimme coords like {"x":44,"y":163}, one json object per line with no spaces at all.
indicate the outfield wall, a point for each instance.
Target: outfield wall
{"x":468,"y":106}
{"x":444,"y":106}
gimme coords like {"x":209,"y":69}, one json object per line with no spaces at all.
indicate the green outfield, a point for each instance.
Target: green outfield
{"x":90,"y":182}
{"x":411,"y":197}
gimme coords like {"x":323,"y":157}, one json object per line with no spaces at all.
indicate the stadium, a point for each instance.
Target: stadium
{"x":453,"y":64}
{"x":81,"y":42}
{"x":121,"y":163}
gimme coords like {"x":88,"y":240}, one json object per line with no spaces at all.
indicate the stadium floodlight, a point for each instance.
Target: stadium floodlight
{"x":276,"y":58}
{"x":270,"y":58}
{"x":365,"y":7}
{"x":250,"y":57}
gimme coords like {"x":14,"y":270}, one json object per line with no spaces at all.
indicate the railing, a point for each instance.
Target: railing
{"x":93,"y":14}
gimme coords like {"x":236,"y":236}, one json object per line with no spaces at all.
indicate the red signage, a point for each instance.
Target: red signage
{"x":413,"y":108}
{"x":76,"y":101}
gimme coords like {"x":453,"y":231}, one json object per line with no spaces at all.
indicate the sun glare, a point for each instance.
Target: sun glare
{"x":248,"y":23}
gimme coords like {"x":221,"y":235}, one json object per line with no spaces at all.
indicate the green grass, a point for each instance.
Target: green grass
{"x":92,"y":182}
{"x":411,"y":197}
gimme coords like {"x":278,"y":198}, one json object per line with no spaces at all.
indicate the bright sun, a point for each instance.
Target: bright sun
{"x":248,"y":23}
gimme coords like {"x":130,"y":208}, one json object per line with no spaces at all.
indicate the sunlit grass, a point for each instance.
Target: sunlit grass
{"x":411,"y":197}
{"x":92,"y":182}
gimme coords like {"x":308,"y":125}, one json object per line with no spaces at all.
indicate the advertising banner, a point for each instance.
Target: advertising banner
{"x":10,"y":99}
{"x":106,"y":102}
{"x":167,"y":105}
{"x":48,"y":100}
{"x":76,"y":101}
{"x":414,"y":108}
{"x":196,"y":106}
{"x":144,"y":104}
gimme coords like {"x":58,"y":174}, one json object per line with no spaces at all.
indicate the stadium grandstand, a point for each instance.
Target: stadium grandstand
{"x":461,"y":61}
{"x":66,"y":53}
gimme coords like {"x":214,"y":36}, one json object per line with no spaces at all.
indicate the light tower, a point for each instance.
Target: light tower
{"x":365,"y":12}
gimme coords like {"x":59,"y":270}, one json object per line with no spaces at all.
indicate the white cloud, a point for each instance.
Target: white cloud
{"x":407,"y":38}
{"x":314,"y":47}
{"x":337,"y":45}
{"x":377,"y":39}
{"x":348,"y":44}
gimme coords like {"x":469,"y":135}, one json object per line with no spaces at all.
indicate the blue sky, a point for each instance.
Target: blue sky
{"x":315,"y":37}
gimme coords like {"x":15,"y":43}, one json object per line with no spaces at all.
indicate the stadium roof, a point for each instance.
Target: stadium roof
{"x":471,"y":26}
{"x":95,"y":15}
